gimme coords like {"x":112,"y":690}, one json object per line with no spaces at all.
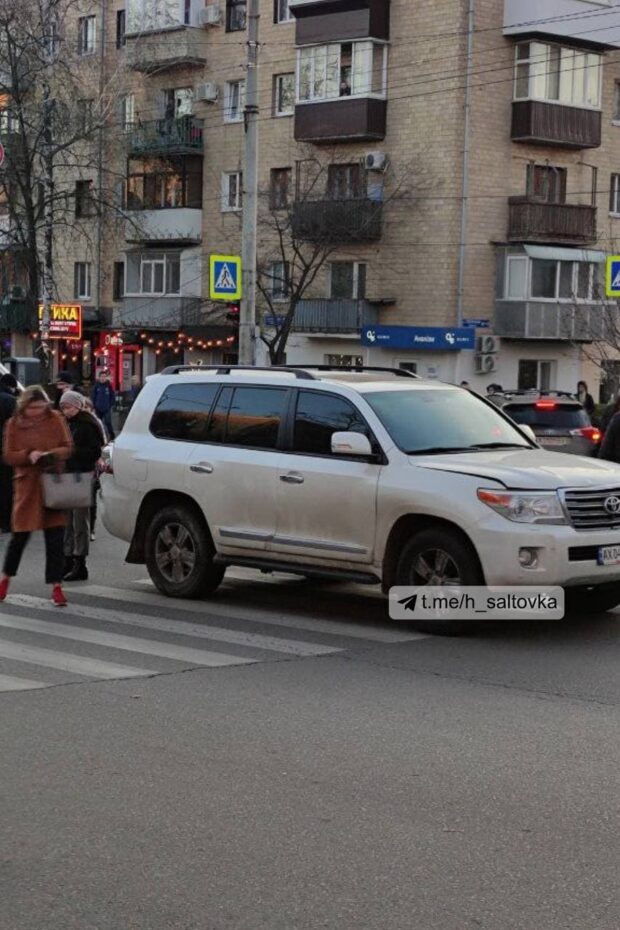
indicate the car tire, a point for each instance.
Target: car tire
{"x":462,"y":565}
{"x":594,"y":600}
{"x":179,"y":554}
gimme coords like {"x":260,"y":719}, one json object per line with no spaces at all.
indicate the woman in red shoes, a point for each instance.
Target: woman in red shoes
{"x":36,"y":437}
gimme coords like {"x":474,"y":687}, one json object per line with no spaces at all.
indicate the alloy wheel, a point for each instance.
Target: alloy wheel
{"x":175,"y":552}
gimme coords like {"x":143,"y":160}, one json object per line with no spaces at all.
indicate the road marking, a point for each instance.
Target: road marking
{"x":66,"y":662}
{"x":198,"y":630}
{"x":8,"y":683}
{"x":258,"y":615}
{"x":198,"y":657}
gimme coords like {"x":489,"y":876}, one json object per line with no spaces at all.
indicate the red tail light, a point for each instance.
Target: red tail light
{"x":545,"y":405}
{"x":588,"y":432}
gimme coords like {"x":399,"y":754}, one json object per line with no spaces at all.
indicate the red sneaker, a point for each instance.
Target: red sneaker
{"x":58,"y":596}
{"x":4,"y":587}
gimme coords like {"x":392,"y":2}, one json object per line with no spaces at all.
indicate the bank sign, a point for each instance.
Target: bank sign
{"x":424,"y":338}
{"x":65,"y":321}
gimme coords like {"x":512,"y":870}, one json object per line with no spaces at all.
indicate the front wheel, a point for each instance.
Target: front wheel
{"x":179,"y":554}
{"x":595,"y":600}
{"x":438,"y":557}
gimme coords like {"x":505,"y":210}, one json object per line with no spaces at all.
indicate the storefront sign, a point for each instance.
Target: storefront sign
{"x":65,"y":321}
{"x":425,"y":338}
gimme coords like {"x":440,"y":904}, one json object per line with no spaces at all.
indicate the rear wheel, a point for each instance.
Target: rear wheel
{"x":179,"y":554}
{"x":438,"y":557}
{"x":594,"y":600}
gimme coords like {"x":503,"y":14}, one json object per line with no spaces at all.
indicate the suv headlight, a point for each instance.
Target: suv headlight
{"x":525,"y":507}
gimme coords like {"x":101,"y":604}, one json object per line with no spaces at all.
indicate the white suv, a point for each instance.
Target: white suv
{"x":367,"y":475}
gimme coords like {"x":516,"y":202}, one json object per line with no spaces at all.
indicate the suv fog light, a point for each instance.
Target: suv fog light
{"x":528,"y":558}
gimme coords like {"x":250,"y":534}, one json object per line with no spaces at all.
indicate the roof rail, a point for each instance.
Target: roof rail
{"x":399,"y":372}
{"x":227,"y":369}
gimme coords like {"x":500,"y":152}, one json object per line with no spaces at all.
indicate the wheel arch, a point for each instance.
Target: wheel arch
{"x":153,"y":502}
{"x":404,"y":528}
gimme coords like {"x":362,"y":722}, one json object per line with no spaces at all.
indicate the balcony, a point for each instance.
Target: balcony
{"x":165,"y":313}
{"x":318,"y":22}
{"x":181,"y":47}
{"x":183,"y":136}
{"x":338,"y":221}
{"x":18,"y":318}
{"x":536,"y":221}
{"x":346,"y":119}
{"x":173,"y":226}
{"x":334,"y":316}
{"x":557,"y":322}
{"x":542,"y":123}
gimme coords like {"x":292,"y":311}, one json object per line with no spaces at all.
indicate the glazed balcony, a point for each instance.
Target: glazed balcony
{"x":543,"y":123}
{"x":345,"y":119}
{"x":554,"y":321}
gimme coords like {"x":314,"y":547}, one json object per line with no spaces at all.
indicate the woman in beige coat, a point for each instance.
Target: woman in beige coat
{"x":36,"y":437}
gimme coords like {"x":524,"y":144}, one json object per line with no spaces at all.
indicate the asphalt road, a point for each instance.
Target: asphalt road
{"x":326,"y":769}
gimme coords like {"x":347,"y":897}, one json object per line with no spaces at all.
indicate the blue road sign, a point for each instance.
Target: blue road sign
{"x":612,"y":288}
{"x":224,"y":277}
{"x":424,"y":338}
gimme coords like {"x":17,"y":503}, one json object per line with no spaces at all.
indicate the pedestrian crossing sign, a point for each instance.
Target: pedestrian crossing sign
{"x":613,"y":276}
{"x":225,"y":277}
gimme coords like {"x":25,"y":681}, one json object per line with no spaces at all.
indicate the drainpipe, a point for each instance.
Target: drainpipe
{"x":471,"y":19}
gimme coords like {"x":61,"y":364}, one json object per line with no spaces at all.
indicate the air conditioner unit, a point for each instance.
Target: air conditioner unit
{"x":208,"y":92}
{"x":485,"y":364}
{"x":487,"y":345}
{"x":375,"y":161}
{"x":211,"y":15}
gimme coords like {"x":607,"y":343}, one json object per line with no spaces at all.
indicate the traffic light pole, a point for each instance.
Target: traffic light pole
{"x":247,"y":320}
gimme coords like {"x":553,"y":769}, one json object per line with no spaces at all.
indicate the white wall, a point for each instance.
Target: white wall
{"x":191,"y":273}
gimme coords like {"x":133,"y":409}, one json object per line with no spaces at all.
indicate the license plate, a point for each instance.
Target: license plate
{"x":609,"y":555}
{"x":552,"y":441}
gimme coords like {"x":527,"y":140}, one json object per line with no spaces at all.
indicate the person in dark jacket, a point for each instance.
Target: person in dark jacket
{"x":87,"y":443}
{"x":610,"y":446}
{"x":8,"y":402}
{"x":103,"y":398}
{"x":585,"y":398}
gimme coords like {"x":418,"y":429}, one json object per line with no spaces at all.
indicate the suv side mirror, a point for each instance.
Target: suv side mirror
{"x":529,"y":432}
{"x":351,"y":444}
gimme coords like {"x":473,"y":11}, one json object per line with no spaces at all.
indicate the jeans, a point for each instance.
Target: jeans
{"x":106,"y":419}
{"x":77,"y":533}
{"x":54,"y":562}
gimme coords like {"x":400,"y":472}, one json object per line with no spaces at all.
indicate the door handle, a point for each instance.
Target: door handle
{"x":292,"y":479}
{"x":203,"y":468}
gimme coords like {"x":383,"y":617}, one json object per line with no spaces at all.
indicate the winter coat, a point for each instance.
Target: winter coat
{"x":103,"y":398}
{"x":87,"y":444}
{"x":610,"y":446}
{"x":21,"y":437}
{"x":8,"y":402}
{"x":588,"y":403}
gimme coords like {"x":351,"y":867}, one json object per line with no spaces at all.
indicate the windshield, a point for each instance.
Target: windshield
{"x":561,"y":416}
{"x":440,"y":421}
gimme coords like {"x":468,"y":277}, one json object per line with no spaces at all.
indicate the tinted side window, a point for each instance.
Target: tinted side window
{"x":254,"y":417}
{"x":183,"y":412}
{"x":217,"y":423}
{"x":318,"y":416}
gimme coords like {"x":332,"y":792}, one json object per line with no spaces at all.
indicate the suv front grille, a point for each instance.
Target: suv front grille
{"x":586,"y":509}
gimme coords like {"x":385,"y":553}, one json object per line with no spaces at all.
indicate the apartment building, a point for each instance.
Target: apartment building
{"x":461,"y":187}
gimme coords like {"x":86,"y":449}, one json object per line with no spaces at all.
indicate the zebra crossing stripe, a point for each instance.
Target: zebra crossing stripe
{"x":8,"y":683}
{"x":66,"y":662}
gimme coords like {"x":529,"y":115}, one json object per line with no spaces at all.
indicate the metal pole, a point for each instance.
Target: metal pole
{"x":48,"y":184}
{"x":100,"y":155}
{"x":247,"y":316}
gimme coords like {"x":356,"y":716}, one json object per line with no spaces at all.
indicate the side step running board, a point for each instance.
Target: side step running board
{"x":272,"y":565}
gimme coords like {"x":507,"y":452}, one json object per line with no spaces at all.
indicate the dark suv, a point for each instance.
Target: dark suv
{"x":559,"y":421}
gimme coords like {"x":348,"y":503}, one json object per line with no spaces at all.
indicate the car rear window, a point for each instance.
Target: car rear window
{"x":183,"y":412}
{"x":561,"y":416}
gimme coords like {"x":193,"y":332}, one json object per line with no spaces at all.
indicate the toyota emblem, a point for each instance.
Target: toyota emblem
{"x":612,"y":505}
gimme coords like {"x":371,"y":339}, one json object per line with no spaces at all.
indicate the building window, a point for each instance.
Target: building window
{"x":235,"y":15}
{"x":346,"y":182}
{"x":85,"y":115}
{"x":546,"y":184}
{"x":87,"y":29}
{"x":84,"y":199}
{"x":53,"y":42}
{"x":128,"y":112}
{"x":282,"y":12}
{"x":121,"y":39}
{"x":232,"y":191}
{"x":343,"y":361}
{"x":279,"y":284}
{"x":81,"y":280}
{"x":348,"y":69}
{"x":177,"y":102}
{"x":616,"y":116}
{"x":516,"y":277}
{"x":280,"y":188}
{"x":536,"y":375}
{"x":614,"y":194}
{"x":347,"y":280}
{"x":234,"y":101}
{"x":557,"y":74}
{"x":160,"y":273}
{"x":549,"y":279}
{"x":118,"y":281}
{"x":284,"y":94}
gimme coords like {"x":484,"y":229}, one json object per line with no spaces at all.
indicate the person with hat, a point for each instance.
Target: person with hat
{"x":87,"y":445}
{"x":63,"y":382}
{"x":8,"y":402}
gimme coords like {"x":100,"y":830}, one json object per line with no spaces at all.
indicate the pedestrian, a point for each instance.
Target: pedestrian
{"x":465,"y":385}
{"x":585,"y":398}
{"x":8,"y":402}
{"x":608,"y":413}
{"x":87,"y":445}
{"x":88,"y":406}
{"x":63,"y":382}
{"x":35,"y":438}
{"x":135,"y":389}
{"x":103,"y":398}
